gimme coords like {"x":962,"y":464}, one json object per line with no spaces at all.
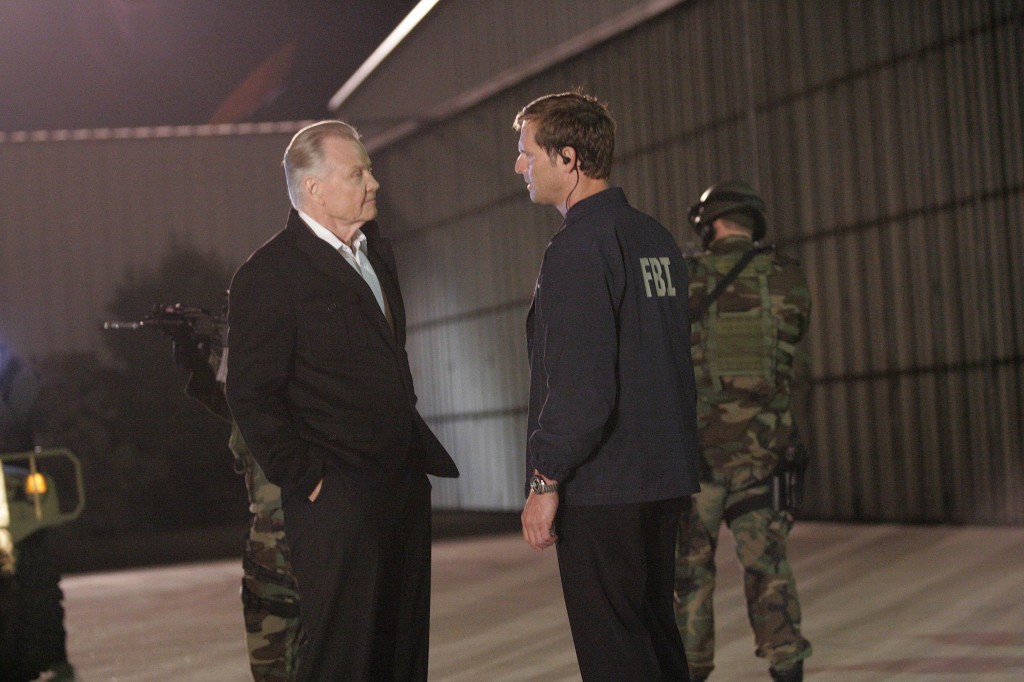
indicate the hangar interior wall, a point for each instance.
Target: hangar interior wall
{"x":886,"y":137}
{"x":81,"y":209}
{"x":887,"y":140}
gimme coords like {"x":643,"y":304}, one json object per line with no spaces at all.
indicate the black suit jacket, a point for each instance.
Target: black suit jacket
{"x":318,"y":378}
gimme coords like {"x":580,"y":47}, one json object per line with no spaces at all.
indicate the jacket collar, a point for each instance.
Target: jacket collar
{"x":602,"y":201}
{"x":331,"y":263}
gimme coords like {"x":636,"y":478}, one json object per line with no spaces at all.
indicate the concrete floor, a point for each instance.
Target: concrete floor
{"x":881,"y":602}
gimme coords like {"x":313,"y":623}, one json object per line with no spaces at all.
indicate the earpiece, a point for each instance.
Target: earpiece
{"x":565,"y":157}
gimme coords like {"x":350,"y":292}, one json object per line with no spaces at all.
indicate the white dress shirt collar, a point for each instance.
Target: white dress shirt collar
{"x":357,"y":258}
{"x":331,"y":238}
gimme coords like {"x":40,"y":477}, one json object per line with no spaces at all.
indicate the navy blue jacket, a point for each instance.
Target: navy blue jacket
{"x":612,"y":397}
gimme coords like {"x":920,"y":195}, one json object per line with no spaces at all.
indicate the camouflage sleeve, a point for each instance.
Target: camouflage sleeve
{"x":204,"y":388}
{"x":697,"y":288}
{"x":799,"y":299}
{"x":796,"y":311}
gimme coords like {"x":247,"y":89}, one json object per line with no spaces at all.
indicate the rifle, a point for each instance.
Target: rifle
{"x":195,"y":332}
{"x":196,"y":336}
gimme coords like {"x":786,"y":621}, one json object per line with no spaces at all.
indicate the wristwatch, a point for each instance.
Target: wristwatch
{"x":540,"y":486}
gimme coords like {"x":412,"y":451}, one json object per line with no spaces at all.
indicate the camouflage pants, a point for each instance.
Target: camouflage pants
{"x":768,"y":583}
{"x":270,"y":597}
{"x":270,"y":602}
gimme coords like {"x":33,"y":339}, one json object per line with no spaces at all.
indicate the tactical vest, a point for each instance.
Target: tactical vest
{"x":746,"y":343}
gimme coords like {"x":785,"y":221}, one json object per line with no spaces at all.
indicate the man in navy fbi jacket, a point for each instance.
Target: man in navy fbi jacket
{"x":611,"y":456}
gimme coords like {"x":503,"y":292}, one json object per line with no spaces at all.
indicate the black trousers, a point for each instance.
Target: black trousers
{"x":361,"y":557}
{"x":617,"y":564}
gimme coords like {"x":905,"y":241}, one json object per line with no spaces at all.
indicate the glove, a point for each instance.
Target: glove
{"x":191,"y":354}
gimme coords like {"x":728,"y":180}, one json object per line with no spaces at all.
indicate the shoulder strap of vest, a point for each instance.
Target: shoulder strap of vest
{"x":742,"y":263}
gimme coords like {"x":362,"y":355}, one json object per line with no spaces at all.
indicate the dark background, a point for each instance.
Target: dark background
{"x":70,"y":64}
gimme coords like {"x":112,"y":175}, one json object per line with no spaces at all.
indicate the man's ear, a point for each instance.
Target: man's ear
{"x":312,"y":187}
{"x":564,"y":160}
{"x":567,"y":155}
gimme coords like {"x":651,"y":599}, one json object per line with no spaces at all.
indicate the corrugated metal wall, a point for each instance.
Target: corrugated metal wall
{"x":517,"y":35}
{"x":886,"y":136}
{"x":78,"y":209}
{"x":887,"y":140}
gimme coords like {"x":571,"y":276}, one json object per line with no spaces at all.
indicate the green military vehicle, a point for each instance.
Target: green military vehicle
{"x":38,"y":490}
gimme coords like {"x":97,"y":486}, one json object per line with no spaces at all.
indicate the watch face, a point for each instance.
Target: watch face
{"x":538,"y":485}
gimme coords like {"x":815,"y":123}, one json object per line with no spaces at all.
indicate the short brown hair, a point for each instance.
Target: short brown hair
{"x":305,"y":153}
{"x":577,"y":120}
{"x":742,"y":219}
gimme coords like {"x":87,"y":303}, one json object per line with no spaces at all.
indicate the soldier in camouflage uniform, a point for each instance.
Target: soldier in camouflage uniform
{"x":270,"y":598}
{"x":744,"y":354}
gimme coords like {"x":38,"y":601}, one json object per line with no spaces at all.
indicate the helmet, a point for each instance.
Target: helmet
{"x":733,"y":196}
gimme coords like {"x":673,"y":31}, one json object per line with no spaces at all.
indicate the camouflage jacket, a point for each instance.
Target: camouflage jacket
{"x":207,"y":387}
{"x":745,"y":357}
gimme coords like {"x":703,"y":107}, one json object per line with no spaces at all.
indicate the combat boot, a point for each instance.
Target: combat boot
{"x":794,"y":674}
